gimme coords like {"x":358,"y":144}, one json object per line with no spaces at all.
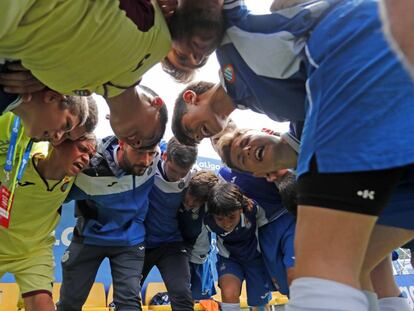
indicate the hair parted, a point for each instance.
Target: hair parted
{"x":201,"y":184}
{"x":182,"y":155}
{"x":226,"y":198}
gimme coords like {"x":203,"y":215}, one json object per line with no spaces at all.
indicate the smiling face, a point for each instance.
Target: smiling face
{"x":74,"y":156}
{"x":201,"y":119}
{"x":254,"y":151}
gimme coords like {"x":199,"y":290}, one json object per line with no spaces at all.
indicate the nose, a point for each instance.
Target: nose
{"x":246,"y":150}
{"x":198,"y":58}
{"x":145,"y":159}
{"x":57,"y":136}
{"x":85,"y":158}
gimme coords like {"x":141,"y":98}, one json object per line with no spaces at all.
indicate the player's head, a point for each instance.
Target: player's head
{"x":178,"y":159}
{"x":48,"y":115}
{"x":197,"y":28}
{"x":135,"y":161}
{"x":226,"y":203}
{"x":74,"y":155}
{"x":195,"y":116}
{"x":256,"y":152}
{"x":198,"y":189}
{"x":88,"y":127}
{"x":138,"y":117}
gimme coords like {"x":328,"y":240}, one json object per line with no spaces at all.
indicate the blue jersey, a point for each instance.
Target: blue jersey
{"x":260,"y":67}
{"x":241,"y":244}
{"x":164,"y":201}
{"x":361,"y":99}
{"x":260,"y":190}
{"x":116,"y":203}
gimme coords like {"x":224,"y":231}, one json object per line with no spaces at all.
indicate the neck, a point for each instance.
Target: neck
{"x":49,"y":168}
{"x":287,"y":155}
{"x":223,"y":104}
{"x":22,"y":111}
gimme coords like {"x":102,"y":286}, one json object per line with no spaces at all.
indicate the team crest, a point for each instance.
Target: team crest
{"x":181,"y":184}
{"x":64,"y":186}
{"x":65,"y":256}
{"x":149,"y":171}
{"x":82,"y":92}
{"x":228,"y":73}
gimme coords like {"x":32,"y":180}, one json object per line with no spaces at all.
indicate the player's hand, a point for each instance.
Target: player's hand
{"x":168,"y":7}
{"x":20,"y":81}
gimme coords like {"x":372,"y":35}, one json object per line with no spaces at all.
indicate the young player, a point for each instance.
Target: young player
{"x":196,"y":238}
{"x":164,"y":246}
{"x":27,"y":236}
{"x":235,"y":220}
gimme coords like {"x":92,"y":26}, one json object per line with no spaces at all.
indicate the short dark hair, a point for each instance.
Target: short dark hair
{"x":201,"y":184}
{"x":93,"y":115}
{"x":182,"y":155}
{"x":226,"y":198}
{"x":180,"y":109}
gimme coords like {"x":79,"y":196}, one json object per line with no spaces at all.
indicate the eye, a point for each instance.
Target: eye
{"x":205,"y":132}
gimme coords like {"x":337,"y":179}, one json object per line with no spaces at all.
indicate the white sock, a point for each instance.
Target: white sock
{"x":394,"y":304}
{"x":230,"y":306}
{"x":314,"y":294}
{"x":372,"y":300}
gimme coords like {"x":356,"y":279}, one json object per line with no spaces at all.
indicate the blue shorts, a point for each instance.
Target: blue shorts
{"x":361,"y":99}
{"x":199,"y":290}
{"x":399,"y":211}
{"x":257,"y":280}
{"x":276,"y":241}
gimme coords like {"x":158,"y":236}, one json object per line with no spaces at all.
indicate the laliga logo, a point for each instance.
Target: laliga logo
{"x":65,"y":237}
{"x":208,"y":165}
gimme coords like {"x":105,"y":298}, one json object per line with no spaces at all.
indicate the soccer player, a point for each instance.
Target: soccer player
{"x":110,"y":224}
{"x":276,"y":238}
{"x":269,"y":155}
{"x":235,"y":220}
{"x":195,"y":236}
{"x":164,"y":244}
{"x":27,"y":237}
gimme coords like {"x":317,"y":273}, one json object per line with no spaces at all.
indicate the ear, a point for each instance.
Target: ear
{"x":190,"y":97}
{"x":157,"y":102}
{"x":50,"y":96}
{"x":121,"y":144}
{"x":164,"y":156}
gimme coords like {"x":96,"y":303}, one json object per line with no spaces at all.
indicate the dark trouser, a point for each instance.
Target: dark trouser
{"x":172,"y":261}
{"x":80,"y":264}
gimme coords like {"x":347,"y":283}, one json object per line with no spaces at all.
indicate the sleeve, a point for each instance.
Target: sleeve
{"x":76,"y":194}
{"x":201,"y":247}
{"x":261,"y":216}
{"x":288,"y":247}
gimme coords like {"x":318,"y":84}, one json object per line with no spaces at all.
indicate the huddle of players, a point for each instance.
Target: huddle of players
{"x":351,"y":94}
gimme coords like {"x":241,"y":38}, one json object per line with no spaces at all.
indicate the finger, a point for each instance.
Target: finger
{"x":17,"y":76}
{"x":24,"y":89}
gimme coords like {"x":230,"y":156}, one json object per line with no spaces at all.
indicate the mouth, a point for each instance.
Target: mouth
{"x":79,"y":165}
{"x":259,"y":153}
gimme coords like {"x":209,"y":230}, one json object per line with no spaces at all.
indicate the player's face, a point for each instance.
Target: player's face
{"x":255,"y":152}
{"x":74,"y":156}
{"x":174,"y":172}
{"x":137,"y":123}
{"x":201,"y":121}
{"x":191,"y":201}
{"x":136,"y":161}
{"x":50,"y":122}
{"x":229,"y":222}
